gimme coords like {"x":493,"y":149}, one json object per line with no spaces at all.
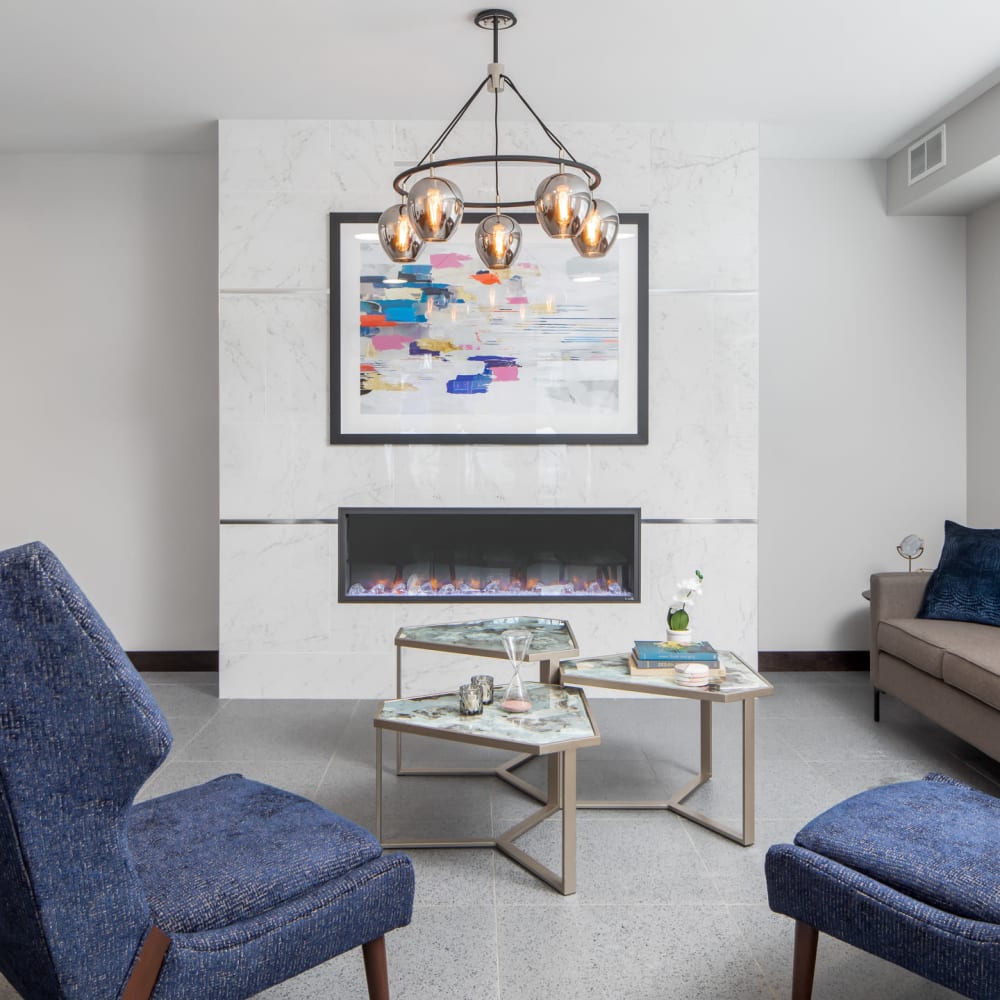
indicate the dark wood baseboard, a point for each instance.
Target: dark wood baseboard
{"x":208,"y":659}
{"x":844,"y":659}
{"x":186,"y":660}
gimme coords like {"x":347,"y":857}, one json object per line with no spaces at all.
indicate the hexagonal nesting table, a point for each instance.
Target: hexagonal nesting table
{"x":739,"y":683}
{"x":551,"y":640}
{"x":558,"y":724}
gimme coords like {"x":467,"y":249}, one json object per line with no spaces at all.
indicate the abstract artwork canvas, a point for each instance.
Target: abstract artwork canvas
{"x":551,"y":350}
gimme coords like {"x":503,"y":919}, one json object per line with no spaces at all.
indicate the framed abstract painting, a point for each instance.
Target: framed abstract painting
{"x":552,"y":350}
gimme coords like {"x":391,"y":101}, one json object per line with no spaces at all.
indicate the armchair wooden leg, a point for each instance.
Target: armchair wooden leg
{"x":804,"y":964}
{"x":376,"y":971}
{"x":877,"y":692}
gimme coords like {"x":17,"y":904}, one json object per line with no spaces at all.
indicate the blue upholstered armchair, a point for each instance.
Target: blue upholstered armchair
{"x":218,"y":891}
{"x":909,"y":872}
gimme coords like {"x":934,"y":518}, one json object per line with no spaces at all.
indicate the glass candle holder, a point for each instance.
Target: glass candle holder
{"x":470,"y":699}
{"x":485,"y":682}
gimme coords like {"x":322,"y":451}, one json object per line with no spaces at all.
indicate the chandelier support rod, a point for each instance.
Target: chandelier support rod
{"x":496,"y":128}
{"x":534,"y":114}
{"x":451,"y":125}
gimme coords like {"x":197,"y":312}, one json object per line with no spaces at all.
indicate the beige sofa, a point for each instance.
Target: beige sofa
{"x":949,"y":671}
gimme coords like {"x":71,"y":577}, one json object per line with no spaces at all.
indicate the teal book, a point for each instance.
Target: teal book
{"x":663,"y":651}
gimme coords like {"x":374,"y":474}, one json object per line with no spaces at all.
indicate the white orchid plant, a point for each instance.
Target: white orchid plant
{"x":678,"y":618}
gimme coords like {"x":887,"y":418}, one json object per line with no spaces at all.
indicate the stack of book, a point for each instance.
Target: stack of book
{"x":650,"y":658}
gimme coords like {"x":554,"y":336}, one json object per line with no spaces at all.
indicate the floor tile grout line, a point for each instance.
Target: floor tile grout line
{"x":496,"y":917}
{"x":333,"y":754}
{"x":765,"y":978}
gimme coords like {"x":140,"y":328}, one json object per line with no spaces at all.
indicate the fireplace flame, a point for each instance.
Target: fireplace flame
{"x":416,"y":585}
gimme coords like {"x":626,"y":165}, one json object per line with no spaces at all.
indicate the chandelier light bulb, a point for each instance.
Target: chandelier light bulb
{"x":404,"y":232}
{"x":599,"y":230}
{"x":563,"y":213}
{"x":562,"y":202}
{"x":435,"y":207}
{"x":498,"y":241}
{"x":397,"y":235}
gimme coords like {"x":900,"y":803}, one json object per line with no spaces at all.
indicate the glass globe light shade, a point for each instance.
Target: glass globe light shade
{"x":398,"y":237}
{"x":599,"y":230}
{"x":562,"y":202}
{"x":498,"y":241}
{"x":435,"y":207}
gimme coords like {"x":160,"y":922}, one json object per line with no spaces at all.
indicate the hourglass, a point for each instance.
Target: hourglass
{"x":516,"y":642}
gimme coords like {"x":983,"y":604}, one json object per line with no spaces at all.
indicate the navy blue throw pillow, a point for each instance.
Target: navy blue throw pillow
{"x":965,"y":587}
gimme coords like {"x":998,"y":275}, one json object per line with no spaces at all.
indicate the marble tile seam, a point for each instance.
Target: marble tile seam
{"x":741,"y":519}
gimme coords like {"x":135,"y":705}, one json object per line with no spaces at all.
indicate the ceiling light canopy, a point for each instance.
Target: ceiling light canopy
{"x":431,"y":208}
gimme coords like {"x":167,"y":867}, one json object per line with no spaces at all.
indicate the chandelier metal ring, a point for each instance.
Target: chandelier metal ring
{"x":592,"y":174}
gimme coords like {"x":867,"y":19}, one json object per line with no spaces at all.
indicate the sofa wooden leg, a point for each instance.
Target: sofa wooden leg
{"x":376,"y":971}
{"x":804,"y":964}
{"x":876,"y":693}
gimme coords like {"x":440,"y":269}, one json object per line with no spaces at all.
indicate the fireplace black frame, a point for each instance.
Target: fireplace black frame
{"x":343,"y":557}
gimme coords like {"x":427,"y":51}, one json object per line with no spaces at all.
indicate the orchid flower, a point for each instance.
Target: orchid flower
{"x":678,"y":618}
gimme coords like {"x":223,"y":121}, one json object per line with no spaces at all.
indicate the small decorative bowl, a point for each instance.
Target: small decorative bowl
{"x":692,"y":675}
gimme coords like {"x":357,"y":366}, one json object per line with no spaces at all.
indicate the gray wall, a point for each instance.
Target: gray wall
{"x":108,"y":387}
{"x":108,"y":383}
{"x":984,"y":366}
{"x":862,"y":393}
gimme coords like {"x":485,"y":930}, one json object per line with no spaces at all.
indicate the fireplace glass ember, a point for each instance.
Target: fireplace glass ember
{"x":475,"y":554}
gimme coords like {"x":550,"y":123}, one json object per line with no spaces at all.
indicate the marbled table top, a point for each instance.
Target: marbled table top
{"x":558,"y":715}
{"x":548,"y":636}
{"x":612,"y":671}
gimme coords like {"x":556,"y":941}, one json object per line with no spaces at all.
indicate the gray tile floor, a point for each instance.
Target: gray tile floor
{"x":664,"y":908}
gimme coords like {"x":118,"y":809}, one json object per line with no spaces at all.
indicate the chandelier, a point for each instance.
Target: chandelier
{"x":431,"y":207}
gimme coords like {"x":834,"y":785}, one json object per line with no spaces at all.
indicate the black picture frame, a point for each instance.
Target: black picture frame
{"x":345,"y":286}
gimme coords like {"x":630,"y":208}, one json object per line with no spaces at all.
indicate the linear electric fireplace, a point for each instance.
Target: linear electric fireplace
{"x":475,"y":554}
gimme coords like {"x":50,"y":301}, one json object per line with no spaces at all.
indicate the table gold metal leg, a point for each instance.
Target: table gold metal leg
{"x":562,"y":789}
{"x":706,"y":740}
{"x":399,"y":694}
{"x":378,"y":785}
{"x":749,"y":770}
{"x":568,"y":769}
{"x":745,"y":835}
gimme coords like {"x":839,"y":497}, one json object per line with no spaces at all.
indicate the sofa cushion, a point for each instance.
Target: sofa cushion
{"x":922,"y":643}
{"x":965,"y":587}
{"x":973,"y":665}
{"x":932,"y":840}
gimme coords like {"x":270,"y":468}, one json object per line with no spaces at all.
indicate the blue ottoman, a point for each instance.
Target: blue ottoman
{"x":909,"y":872}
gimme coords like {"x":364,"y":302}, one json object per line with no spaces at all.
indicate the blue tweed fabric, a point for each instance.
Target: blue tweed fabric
{"x":965,"y":586}
{"x":233,"y":849}
{"x":254,"y":885}
{"x":909,"y":872}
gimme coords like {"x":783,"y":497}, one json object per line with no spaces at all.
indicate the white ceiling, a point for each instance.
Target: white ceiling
{"x":825,"y":78}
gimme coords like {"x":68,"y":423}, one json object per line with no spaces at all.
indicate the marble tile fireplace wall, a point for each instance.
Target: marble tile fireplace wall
{"x":282,"y":631}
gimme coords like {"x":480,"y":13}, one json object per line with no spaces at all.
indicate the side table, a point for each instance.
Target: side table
{"x":741,"y":684}
{"x":551,"y":639}
{"x":558,"y":724}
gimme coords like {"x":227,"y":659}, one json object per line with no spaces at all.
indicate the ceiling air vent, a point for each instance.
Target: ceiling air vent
{"x":927,"y":155}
